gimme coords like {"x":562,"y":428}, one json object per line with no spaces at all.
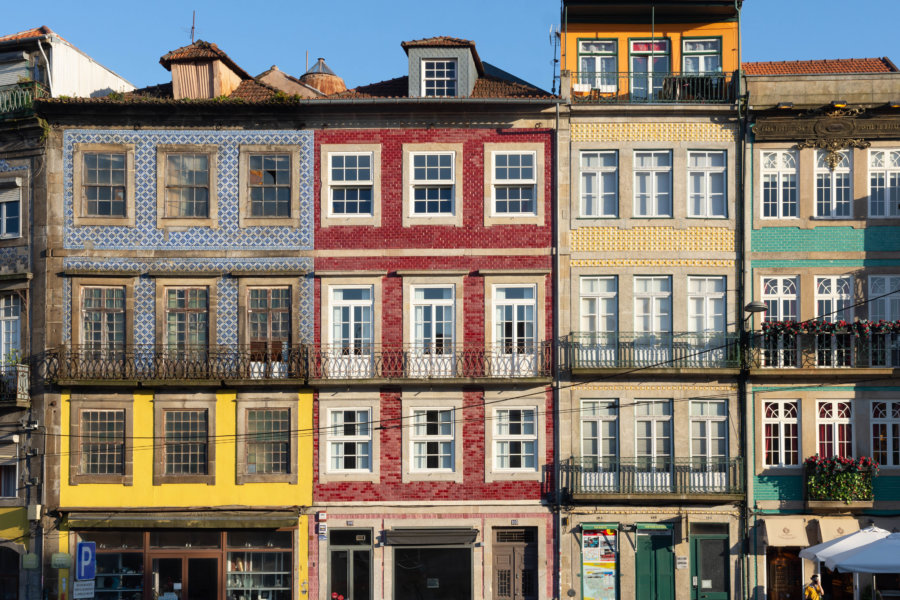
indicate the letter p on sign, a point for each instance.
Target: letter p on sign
{"x":86,"y":561}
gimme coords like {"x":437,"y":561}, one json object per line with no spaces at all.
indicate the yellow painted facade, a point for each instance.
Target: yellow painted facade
{"x":674,"y":32}
{"x":14,"y":525}
{"x":656,"y":239}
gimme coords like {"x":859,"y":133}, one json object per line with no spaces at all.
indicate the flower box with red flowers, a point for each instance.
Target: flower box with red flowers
{"x":839,"y":478}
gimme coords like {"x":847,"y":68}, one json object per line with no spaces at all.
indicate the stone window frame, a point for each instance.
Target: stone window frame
{"x":10,"y":456}
{"x":492,"y":149}
{"x":370,"y":401}
{"x":456,"y":218}
{"x":493,"y":404}
{"x":654,"y":194}
{"x":77,"y":404}
{"x":162,"y":284}
{"x":827,"y":179}
{"x":197,"y":402}
{"x":80,"y":216}
{"x":246,"y":219}
{"x":412,"y":281}
{"x":13,"y":181}
{"x":244,"y":286}
{"x":410,"y":402}
{"x":509,"y":279}
{"x":162,"y":152}
{"x":707,"y":171}
{"x":326,"y":219}
{"x":599,"y":170}
{"x":328,"y":283}
{"x":79,"y":283}
{"x":887,"y":149}
{"x":781,"y":422}
{"x":247,"y":401}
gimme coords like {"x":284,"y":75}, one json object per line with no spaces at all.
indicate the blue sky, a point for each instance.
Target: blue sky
{"x":361,"y":40}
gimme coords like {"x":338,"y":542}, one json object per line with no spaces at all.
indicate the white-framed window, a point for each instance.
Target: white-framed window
{"x":780,"y":295}
{"x":886,"y":432}
{"x":351,"y":319}
{"x":781,"y":433}
{"x":653,"y":183}
{"x":834,"y":295}
{"x":709,"y":430}
{"x":432,"y":439}
{"x":653,"y":434}
{"x":599,"y":433}
{"x":779,"y":184}
{"x":834,"y":428}
{"x":884,"y":297}
{"x":10,"y":328}
{"x":650,"y":65}
{"x":884,"y":183}
{"x":597,"y":65}
{"x":439,"y":77}
{"x":600,"y":183}
{"x":433,"y":326}
{"x":834,"y":187}
{"x":350,"y":440}
{"x":706,"y":304}
{"x":515,"y":183}
{"x":515,"y":439}
{"x":707,"y":184}
{"x":351,"y":184}
{"x":701,"y":55}
{"x":599,"y":304}
{"x":515,"y":318}
{"x":9,"y":471}
{"x":653,"y":305}
{"x":10,"y":208}
{"x":432,"y":183}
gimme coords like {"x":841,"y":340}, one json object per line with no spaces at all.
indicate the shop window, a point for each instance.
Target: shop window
{"x":350,"y":564}
{"x":433,"y":572}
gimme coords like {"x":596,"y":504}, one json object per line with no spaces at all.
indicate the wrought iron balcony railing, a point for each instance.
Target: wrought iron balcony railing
{"x":652,"y":88}
{"x":584,"y":476}
{"x":15,"y":381}
{"x":18,"y":98}
{"x":777,"y":350}
{"x":618,"y":350}
{"x":157,"y":363}
{"x":438,"y":362}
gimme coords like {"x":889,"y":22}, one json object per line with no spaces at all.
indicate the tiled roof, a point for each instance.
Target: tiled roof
{"x":162,"y":90}
{"x":200,"y":50}
{"x":253,"y":91}
{"x":30,"y":33}
{"x":442,"y":41}
{"x":812,"y":67}
{"x":485,"y":87}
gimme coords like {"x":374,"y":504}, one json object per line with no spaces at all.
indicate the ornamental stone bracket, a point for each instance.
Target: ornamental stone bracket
{"x":833,"y":148}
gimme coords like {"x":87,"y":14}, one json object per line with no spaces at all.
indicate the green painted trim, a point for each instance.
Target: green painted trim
{"x":656,"y":526}
{"x":829,"y":262}
{"x":684,"y":53}
{"x":648,"y":39}
{"x":778,"y":511}
{"x":596,"y":526}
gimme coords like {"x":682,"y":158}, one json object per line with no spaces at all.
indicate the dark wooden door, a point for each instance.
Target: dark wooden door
{"x":515,"y":563}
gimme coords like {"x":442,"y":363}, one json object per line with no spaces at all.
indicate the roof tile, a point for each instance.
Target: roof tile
{"x":30,"y":33}
{"x":198,"y":51}
{"x":828,"y":66}
{"x":443,"y":41}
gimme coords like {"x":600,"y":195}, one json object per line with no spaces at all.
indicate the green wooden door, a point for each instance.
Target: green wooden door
{"x":709,"y":567}
{"x":655,"y":565}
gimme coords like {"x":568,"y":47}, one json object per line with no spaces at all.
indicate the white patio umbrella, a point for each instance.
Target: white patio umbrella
{"x":881,"y":556}
{"x":846,"y":543}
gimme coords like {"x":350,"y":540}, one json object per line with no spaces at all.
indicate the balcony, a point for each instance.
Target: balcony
{"x":448,"y":363}
{"x":652,"y":88}
{"x":17,"y":99}
{"x":644,"y":478}
{"x":157,"y":364}
{"x":15,"y":381}
{"x":630,"y":350}
{"x":839,"y":484}
{"x":829,"y":350}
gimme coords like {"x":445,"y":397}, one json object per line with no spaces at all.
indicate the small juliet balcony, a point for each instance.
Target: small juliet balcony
{"x":662,"y":479}
{"x":17,"y":99}
{"x":15,"y":381}
{"x":72,"y":365}
{"x":585,"y":353}
{"x":838,"y":349}
{"x":449,"y":363}
{"x":671,"y":87}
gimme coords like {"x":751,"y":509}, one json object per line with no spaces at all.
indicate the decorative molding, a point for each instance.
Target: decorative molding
{"x":786,"y":128}
{"x":665,"y":388}
{"x":654,"y":132}
{"x":652,"y":262}
{"x":653,"y":239}
{"x":834,"y":147}
{"x":5,"y":167}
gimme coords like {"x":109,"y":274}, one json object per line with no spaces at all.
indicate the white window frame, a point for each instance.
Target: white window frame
{"x":884,"y":297}
{"x":597,"y":313}
{"x":604,"y":54}
{"x":419,"y":344}
{"x":10,"y":457}
{"x":11,"y":194}
{"x":781,"y":421}
{"x":416,"y":437}
{"x":834,"y":423}
{"x":832,"y":184}
{"x":708,"y":297}
{"x":782,"y":304}
{"x":834,"y":305}
{"x":354,"y":345}
{"x":665,"y":417}
{"x":443,"y":80}
{"x":781,"y":174}
{"x":599,"y":174}
{"x":521,"y":183}
{"x":592,"y":412}
{"x":707,"y":172}
{"x":499,"y":439}
{"x":702,"y":54}
{"x":884,"y":183}
{"x":518,"y":343}
{"x":360,"y":184}
{"x":889,"y":420}
{"x":11,"y":325}
{"x":660,"y":303}
{"x":655,"y":209}
{"x":415,"y":184}
{"x":707,"y":417}
{"x":335,"y":438}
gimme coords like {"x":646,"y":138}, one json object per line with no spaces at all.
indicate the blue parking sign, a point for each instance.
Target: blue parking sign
{"x":86,"y":561}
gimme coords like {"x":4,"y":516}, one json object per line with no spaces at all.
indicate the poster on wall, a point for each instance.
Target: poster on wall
{"x":599,"y":556}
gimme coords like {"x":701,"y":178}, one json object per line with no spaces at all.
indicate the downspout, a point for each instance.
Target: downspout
{"x":47,"y":63}
{"x":556,"y":435}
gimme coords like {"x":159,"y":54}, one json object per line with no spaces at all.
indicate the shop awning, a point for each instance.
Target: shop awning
{"x":237,"y":519}
{"x":835,"y":527}
{"x":786,"y":531}
{"x":428,"y":536}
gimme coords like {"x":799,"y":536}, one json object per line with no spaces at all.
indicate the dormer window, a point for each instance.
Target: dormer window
{"x":439,"y":77}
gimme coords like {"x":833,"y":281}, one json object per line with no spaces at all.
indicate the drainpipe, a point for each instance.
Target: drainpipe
{"x":47,"y":63}
{"x":557,"y":543}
